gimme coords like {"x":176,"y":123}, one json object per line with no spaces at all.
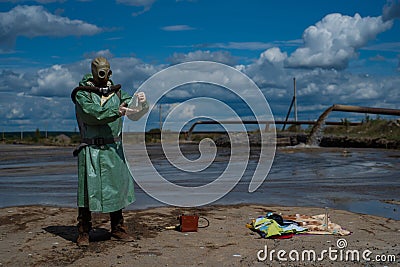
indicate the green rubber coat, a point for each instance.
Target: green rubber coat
{"x":105,"y":183}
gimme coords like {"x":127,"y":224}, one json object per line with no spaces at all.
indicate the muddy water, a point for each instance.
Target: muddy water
{"x":359,"y":180}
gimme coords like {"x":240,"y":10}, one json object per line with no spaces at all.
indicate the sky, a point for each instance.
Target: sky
{"x":340,"y":52}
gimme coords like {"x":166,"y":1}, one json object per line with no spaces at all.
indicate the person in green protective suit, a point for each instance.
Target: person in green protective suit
{"x":105,"y":183}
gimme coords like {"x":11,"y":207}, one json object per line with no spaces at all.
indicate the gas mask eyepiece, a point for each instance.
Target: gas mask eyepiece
{"x":103,"y":73}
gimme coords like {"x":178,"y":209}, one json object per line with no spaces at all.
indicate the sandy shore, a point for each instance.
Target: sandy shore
{"x":45,"y":236}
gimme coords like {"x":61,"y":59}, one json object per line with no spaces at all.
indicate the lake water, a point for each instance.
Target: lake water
{"x":358,"y":180}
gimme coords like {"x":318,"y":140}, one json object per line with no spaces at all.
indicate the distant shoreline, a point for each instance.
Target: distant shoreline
{"x":283,"y":139}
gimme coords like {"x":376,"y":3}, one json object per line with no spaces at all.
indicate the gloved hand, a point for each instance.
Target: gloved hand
{"x":134,"y":107}
{"x":123,"y":109}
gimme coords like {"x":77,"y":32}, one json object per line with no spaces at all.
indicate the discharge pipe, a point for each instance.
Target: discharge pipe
{"x":317,"y":127}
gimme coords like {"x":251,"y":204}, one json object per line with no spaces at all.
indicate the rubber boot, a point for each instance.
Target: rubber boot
{"x":84,"y":226}
{"x":118,"y":230}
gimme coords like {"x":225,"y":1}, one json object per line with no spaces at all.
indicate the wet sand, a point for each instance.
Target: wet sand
{"x":45,"y":236}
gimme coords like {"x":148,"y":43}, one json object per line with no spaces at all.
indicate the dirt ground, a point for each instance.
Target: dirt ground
{"x":45,"y":236}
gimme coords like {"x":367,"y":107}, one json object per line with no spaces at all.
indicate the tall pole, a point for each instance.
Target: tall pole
{"x":295,"y":99}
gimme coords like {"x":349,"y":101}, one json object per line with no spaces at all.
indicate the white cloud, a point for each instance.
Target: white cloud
{"x":334,"y":40}
{"x":218,"y":56}
{"x":273,"y":55}
{"x":268,"y":69}
{"x":145,"y":4}
{"x":33,"y":21}
{"x":377,"y":58}
{"x":11,"y":81}
{"x":102,"y":53}
{"x":31,"y":112}
{"x":239,"y":45}
{"x":318,"y":88}
{"x":365,"y":92}
{"x":309,"y":90}
{"x":391,"y":47}
{"x":176,"y":28}
{"x":131,"y":72}
{"x":183,"y":112}
{"x":398,"y":64}
{"x":391,"y":10}
{"x":229,"y":45}
{"x":54,"y":81}
{"x":244,"y":45}
{"x":16,"y":112}
{"x":59,"y":80}
{"x":312,"y":107}
{"x":34,"y":99}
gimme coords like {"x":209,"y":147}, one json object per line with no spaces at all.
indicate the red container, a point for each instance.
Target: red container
{"x":188,"y":223}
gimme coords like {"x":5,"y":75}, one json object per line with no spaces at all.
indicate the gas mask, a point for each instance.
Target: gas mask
{"x":101,"y":71}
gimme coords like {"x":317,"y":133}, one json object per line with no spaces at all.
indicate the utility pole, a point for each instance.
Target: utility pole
{"x":292,"y":104}
{"x":295,"y":99}
{"x":22,"y":132}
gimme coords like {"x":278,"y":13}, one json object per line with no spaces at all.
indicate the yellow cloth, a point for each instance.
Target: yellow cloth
{"x":268,"y":226}
{"x":105,"y":98}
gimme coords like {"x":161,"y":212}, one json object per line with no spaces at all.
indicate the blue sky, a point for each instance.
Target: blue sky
{"x":341,"y":52}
